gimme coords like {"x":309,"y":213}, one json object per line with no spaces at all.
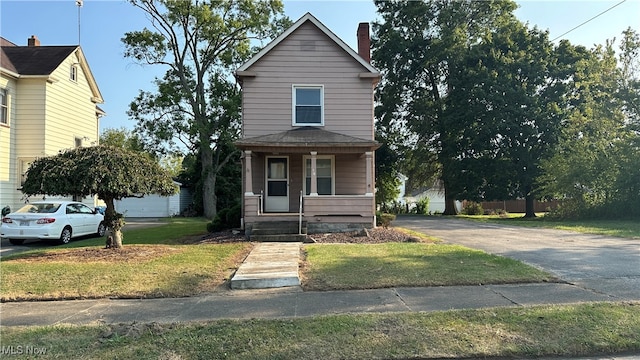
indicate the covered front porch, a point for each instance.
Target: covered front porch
{"x":323,"y":179}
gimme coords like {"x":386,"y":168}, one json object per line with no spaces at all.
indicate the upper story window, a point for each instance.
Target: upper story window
{"x":4,"y":107}
{"x":73,"y":72}
{"x":308,"y":105}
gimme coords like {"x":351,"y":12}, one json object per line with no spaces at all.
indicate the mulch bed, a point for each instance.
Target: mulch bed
{"x":128,"y":253}
{"x":369,"y":236}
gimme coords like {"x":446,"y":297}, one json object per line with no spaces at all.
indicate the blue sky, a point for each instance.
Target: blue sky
{"x":103,"y":23}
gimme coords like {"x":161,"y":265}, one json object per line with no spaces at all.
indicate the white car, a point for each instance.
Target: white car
{"x":52,"y":220}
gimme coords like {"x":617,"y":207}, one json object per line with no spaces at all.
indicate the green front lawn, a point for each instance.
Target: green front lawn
{"x":145,"y":271}
{"x":550,"y":331}
{"x":362,"y":266}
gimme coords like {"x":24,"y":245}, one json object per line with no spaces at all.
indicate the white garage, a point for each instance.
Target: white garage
{"x":149,"y":206}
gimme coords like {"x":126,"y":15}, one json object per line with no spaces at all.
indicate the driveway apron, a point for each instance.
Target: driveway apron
{"x":607,"y":265}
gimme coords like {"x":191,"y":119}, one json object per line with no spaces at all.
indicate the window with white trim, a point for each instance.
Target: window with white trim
{"x":308,"y":105}
{"x":325,"y":173}
{"x":4,"y":107}
{"x":73,"y":73}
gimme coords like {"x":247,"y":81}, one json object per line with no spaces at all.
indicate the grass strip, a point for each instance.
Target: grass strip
{"x":366,"y":266}
{"x":567,"y":330}
{"x":617,"y":228}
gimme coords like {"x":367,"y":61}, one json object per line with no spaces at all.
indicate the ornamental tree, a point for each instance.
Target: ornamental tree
{"x":111,"y":173}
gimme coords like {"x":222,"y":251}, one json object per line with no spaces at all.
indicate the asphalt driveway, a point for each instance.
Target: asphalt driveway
{"x":607,"y":265}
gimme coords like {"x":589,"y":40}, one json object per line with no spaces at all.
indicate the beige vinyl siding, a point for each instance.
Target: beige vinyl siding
{"x":348,"y":100}
{"x":295,"y":181}
{"x":338,"y":205}
{"x":350,"y":170}
{"x":70,"y":112}
{"x":29,"y":118}
{"x":8,"y":175}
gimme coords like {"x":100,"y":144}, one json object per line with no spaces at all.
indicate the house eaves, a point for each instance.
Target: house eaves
{"x":243,"y":70}
{"x":93,"y":85}
{"x":308,"y":137}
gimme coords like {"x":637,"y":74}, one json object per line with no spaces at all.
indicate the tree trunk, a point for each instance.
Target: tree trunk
{"x":449,"y":203}
{"x":529,"y":206}
{"x":117,"y":239}
{"x":114,"y":224}
{"x":208,"y":182}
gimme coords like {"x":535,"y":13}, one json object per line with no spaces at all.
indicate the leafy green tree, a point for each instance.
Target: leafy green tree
{"x":596,"y":166}
{"x":197,"y":104}
{"x":506,"y":107}
{"x":122,"y":138}
{"x":111,"y":173}
{"x":419,"y":47}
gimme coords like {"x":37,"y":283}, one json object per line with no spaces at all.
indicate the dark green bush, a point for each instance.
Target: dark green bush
{"x":384,"y":219}
{"x":472,"y":208}
{"x":227,"y":218}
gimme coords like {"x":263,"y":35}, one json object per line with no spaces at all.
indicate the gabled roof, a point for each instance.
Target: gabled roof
{"x":307,"y":137}
{"x":35,"y":60}
{"x":42,"y":61}
{"x":308,"y":17}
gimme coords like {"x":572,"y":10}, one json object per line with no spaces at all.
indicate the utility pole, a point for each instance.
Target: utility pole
{"x":79,"y":5}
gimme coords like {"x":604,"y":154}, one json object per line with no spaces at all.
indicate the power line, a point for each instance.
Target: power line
{"x":602,"y":13}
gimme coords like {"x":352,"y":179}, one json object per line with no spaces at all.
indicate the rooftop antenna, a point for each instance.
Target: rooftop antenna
{"x":79,"y":5}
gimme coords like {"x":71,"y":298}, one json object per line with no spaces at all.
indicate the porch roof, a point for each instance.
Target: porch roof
{"x":308,"y":139}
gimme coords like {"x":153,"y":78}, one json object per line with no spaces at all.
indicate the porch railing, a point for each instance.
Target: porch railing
{"x":300,"y":216}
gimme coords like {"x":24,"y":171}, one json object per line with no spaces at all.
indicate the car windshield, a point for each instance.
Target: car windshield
{"x":41,"y":208}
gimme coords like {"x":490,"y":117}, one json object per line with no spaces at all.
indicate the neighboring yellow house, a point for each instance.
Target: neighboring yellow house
{"x":48,"y":100}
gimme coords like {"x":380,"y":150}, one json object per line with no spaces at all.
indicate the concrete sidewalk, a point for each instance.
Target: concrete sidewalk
{"x":292,"y":302}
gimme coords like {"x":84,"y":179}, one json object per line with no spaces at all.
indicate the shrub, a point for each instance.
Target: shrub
{"x":227,"y":218}
{"x":472,"y":208}
{"x":422,"y":206}
{"x":384,"y":219}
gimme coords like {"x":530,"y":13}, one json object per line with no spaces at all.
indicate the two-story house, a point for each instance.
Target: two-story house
{"x":48,"y":102}
{"x":308,"y":130}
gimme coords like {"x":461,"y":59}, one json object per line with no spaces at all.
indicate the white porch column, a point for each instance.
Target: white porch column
{"x":314,"y":175}
{"x":369,"y":172}
{"x":248,"y":176}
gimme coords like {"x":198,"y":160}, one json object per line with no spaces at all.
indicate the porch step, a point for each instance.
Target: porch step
{"x":278,"y":238}
{"x":277,"y":227}
{"x":278,"y":231}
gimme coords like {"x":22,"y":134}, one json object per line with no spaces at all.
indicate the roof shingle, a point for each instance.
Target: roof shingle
{"x":306,"y":136}
{"x":36,"y":60}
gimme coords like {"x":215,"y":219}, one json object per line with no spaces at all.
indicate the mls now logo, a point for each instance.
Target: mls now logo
{"x":22,"y":350}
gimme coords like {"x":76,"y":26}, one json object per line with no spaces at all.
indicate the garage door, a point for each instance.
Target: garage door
{"x":148,"y":206}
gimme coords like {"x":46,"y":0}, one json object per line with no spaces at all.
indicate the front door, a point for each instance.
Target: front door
{"x":277,"y":196}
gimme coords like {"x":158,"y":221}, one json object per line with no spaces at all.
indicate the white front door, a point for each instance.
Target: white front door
{"x":277,"y":194}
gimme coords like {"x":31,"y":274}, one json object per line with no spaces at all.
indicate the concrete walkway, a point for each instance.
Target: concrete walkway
{"x":269,"y":265}
{"x":292,"y":302}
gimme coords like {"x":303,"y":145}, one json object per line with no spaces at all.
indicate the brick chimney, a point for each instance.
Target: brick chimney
{"x":33,"y":41}
{"x":364,"y":42}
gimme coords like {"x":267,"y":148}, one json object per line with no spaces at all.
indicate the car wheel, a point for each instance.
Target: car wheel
{"x":102,"y":228}
{"x":16,"y":241}
{"x":65,"y":236}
